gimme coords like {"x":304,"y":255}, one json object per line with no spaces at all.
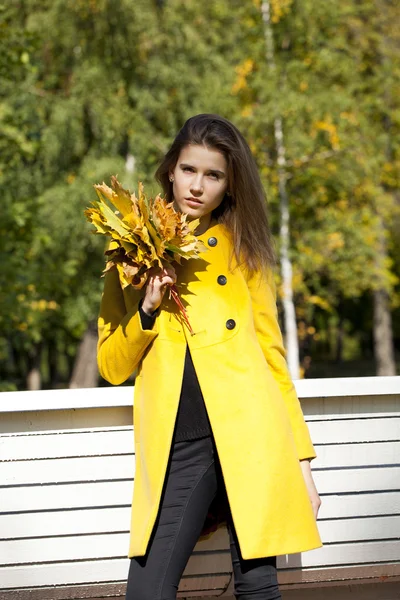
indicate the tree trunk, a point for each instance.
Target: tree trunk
{"x":85,"y":372}
{"x":289,"y":314}
{"x":383,"y":335}
{"x":340,"y":333}
{"x":384,"y":355}
{"x":382,"y":327}
{"x":34,"y":377}
{"x":53,"y":364}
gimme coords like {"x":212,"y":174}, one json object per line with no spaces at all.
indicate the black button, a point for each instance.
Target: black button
{"x":212,"y":241}
{"x":222,"y":280}
{"x":230,"y":324}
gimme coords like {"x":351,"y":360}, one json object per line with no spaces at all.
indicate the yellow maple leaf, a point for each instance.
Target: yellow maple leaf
{"x":145,"y":232}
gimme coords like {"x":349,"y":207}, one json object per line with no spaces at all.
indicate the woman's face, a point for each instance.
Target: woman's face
{"x":200,"y":182}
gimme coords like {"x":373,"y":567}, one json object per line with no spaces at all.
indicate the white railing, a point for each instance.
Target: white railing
{"x":66,"y":473}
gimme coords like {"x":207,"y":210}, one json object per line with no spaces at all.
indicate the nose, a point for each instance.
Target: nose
{"x":196,"y":186}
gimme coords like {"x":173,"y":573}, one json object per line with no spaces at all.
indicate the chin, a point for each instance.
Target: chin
{"x":191,"y":213}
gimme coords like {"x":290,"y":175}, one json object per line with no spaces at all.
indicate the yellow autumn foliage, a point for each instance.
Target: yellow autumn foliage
{"x":145,"y":233}
{"x":279,"y":9}
{"x":321,"y":302}
{"x":331,"y":129}
{"x":243,"y":70}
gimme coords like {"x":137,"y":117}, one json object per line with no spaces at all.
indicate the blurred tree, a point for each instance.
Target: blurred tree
{"x":334,"y":148}
{"x":289,"y":314}
{"x":108,"y":88}
{"x":90,"y":89}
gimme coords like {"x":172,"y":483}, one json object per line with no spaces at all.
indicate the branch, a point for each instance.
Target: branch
{"x":306,"y":159}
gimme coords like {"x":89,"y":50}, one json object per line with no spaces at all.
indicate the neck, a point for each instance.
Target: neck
{"x":204,"y":224}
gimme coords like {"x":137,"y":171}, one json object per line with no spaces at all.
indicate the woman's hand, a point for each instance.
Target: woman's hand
{"x":312,"y":490}
{"x":156,"y":286}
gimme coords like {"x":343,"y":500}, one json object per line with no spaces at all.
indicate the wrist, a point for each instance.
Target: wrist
{"x":148,"y":308}
{"x":305,"y":466}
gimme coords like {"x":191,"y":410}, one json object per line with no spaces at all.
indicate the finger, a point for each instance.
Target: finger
{"x":167,"y":281}
{"x":167,"y":273}
{"x":170,"y":273}
{"x":170,"y":270}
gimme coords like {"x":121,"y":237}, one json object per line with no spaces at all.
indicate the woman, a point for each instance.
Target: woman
{"x":215,"y":412}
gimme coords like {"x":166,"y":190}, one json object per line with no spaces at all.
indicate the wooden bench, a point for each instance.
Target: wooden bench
{"x":66,"y":474}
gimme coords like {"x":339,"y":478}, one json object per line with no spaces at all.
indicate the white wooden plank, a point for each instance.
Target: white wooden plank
{"x":67,"y":470}
{"x":119,"y":493}
{"x":122,"y":467}
{"x":114,"y":493}
{"x":313,"y":409}
{"x":56,"y":420}
{"x":64,"y":573}
{"x":53,"y":400}
{"x":66,"y":444}
{"x":312,"y":413}
{"x":64,"y":522}
{"x":119,"y":441}
{"x":112,"y":520}
{"x":341,"y":431}
{"x":352,"y":554}
{"x":357,"y":480}
{"x":372,"y":573}
{"x":86,"y":547}
{"x":116,"y":396}
{"x":87,"y":572}
{"x":15,"y":552}
{"x":365,"y":589}
{"x":357,"y":455}
{"x":348,"y":530}
{"x":62,"y":429}
{"x":337,"y":387}
{"x":361,"y":505}
{"x":75,"y":522}
{"x":115,"y":546}
{"x":67,"y":496}
{"x":345,"y":407}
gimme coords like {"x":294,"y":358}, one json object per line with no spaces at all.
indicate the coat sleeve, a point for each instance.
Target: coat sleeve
{"x":122,"y":339}
{"x":265,"y":313}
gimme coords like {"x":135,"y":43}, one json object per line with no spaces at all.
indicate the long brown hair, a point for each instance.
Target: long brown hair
{"x":244,"y":212}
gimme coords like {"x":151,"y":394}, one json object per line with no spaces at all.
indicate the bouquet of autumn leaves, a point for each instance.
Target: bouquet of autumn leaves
{"x":146,"y":233}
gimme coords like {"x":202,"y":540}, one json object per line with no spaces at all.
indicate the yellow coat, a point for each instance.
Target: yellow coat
{"x":256,"y":417}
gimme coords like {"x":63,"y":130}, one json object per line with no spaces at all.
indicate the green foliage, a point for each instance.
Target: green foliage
{"x":87,"y":84}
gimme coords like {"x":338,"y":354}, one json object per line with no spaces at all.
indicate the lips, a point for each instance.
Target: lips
{"x":193,"y":201}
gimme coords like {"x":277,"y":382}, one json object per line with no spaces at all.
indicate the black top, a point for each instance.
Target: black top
{"x":192,"y":420}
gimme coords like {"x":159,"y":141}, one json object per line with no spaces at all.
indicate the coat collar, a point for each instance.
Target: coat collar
{"x":214,"y":230}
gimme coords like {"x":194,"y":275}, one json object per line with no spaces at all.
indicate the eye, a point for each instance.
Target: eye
{"x":187,"y":169}
{"x":214,"y":176}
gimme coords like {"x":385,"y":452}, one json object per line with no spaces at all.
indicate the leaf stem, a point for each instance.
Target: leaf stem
{"x":175,"y":295}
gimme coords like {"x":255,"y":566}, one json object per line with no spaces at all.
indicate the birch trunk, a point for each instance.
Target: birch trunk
{"x":85,"y":373}
{"x":382,"y":326}
{"x":289,"y":314}
{"x":382,"y":318}
{"x":34,"y":376}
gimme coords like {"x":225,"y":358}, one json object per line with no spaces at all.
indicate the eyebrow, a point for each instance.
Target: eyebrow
{"x":212,"y":170}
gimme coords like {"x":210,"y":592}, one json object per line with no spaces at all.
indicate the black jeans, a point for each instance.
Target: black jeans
{"x":192,"y":482}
